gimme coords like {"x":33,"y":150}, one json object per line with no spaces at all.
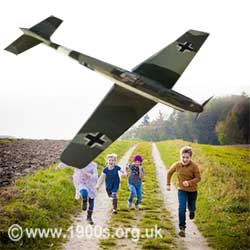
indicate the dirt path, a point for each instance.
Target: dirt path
{"x":193,"y":240}
{"x":101,"y":217}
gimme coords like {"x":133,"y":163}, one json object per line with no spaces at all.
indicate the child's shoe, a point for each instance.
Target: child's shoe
{"x":136,"y":206}
{"x":129,"y":204}
{"x":89,"y":217}
{"x":182,"y":233}
{"x":114,"y":206}
{"x":84,"y":204}
{"x":191,"y":215}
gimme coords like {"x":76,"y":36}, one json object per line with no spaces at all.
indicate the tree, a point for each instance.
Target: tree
{"x":235,"y":128}
{"x":225,"y":120}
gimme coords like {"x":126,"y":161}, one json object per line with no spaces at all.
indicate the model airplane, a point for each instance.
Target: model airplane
{"x":133,"y":94}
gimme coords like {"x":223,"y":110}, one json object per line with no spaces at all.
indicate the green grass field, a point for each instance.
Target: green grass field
{"x":151,"y":213}
{"x":45,"y":199}
{"x":223,"y":213}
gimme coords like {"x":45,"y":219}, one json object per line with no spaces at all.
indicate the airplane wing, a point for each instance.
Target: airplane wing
{"x":121,"y":108}
{"x":118,"y":111}
{"x":168,"y":64}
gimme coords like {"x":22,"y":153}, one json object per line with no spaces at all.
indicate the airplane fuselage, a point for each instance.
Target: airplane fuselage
{"x":155,"y":91}
{"x":136,"y":83}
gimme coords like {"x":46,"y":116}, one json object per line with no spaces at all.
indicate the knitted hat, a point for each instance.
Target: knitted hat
{"x":137,"y":158}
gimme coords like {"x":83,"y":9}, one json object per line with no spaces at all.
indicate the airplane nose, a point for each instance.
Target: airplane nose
{"x":200,"y":108}
{"x":196,"y":108}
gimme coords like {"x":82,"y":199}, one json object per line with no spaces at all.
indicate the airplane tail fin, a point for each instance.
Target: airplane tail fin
{"x":38,"y":33}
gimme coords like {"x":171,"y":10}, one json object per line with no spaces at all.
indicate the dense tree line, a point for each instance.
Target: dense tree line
{"x":224,"y":121}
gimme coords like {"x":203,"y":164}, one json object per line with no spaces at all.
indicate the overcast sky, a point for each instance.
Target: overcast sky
{"x":47,"y":95}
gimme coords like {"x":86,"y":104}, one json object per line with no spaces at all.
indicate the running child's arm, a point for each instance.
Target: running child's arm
{"x":197,"y":176}
{"x":123,"y":172}
{"x":100,"y":180}
{"x":141,"y":172}
{"x":127,"y":166}
{"x":76,"y":185}
{"x":169,"y":174}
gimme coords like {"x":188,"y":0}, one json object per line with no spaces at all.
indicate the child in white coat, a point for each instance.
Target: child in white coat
{"x":85,"y":184}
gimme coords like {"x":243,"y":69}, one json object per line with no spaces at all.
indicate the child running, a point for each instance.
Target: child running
{"x":85,"y":181}
{"x":112,"y":180}
{"x":135,"y":181}
{"x":188,"y":176}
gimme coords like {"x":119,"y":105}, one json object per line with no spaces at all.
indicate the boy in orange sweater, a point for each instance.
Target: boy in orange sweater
{"x":188,"y":176}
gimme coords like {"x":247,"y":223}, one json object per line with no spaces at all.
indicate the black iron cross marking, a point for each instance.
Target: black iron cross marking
{"x":187,"y":46}
{"x":95,"y":139}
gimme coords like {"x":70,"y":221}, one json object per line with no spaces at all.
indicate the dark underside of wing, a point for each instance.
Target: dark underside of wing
{"x":117,"y":112}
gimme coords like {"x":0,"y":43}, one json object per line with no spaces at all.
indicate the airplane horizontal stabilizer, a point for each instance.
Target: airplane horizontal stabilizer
{"x":30,"y":39}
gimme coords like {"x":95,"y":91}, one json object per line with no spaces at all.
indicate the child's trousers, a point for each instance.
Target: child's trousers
{"x":84,"y":194}
{"x":185,"y":198}
{"x":113,"y":196}
{"x":135,"y":190}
